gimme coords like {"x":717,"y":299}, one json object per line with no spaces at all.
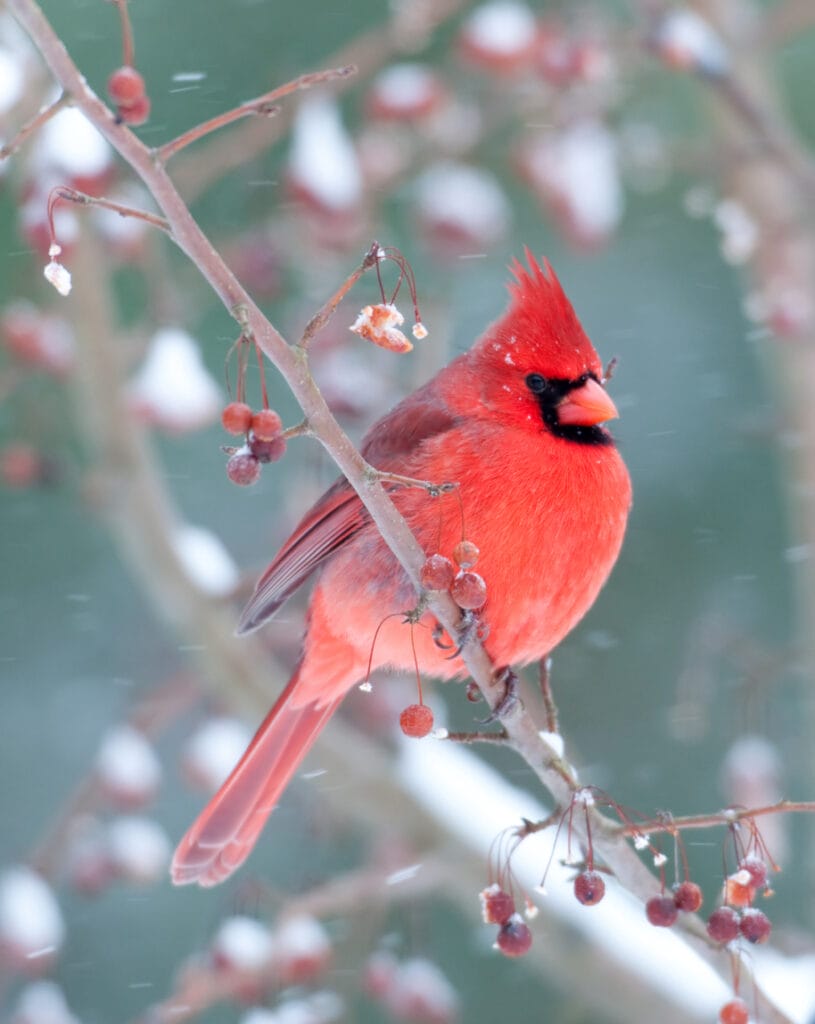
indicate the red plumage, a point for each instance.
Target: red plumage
{"x":544,"y":495}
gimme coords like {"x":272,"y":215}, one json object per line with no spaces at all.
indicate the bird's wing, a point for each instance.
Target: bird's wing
{"x":339,"y":514}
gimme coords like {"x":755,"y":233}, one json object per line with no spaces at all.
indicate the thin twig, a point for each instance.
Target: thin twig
{"x":72,"y":195}
{"x":33,"y":125}
{"x":478,"y":737}
{"x":264,"y":104}
{"x":321,"y":318}
{"x":729,"y":816}
{"x":549,"y":705}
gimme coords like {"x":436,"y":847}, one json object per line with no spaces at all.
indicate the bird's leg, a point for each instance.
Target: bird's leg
{"x":470,"y":626}
{"x":506,"y":705}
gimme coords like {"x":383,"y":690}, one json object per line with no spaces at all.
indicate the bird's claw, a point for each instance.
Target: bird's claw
{"x":470,"y":627}
{"x":507,"y":704}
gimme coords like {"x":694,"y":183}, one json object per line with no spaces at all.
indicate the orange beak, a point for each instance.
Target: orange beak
{"x":586,"y":406}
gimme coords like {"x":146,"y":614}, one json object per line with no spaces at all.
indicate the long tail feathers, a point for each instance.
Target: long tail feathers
{"x":222,"y":836}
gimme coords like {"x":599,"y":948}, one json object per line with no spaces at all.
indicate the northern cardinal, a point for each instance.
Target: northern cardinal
{"x":544,"y":494}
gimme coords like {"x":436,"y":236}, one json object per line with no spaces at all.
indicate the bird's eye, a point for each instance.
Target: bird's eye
{"x":536,"y":383}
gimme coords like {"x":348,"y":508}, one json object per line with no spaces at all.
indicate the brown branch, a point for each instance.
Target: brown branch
{"x":264,"y":105}
{"x":72,"y":195}
{"x":369,"y":52}
{"x":727,"y":817}
{"x":477,"y":737}
{"x":34,"y":125}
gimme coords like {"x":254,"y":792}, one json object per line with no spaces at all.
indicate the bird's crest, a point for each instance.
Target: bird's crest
{"x":543,"y":325}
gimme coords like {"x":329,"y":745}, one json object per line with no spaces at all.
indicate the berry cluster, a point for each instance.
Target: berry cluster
{"x":467,"y":588}
{"x":737,"y":916}
{"x":126,"y":89}
{"x":264,"y":441}
{"x":498,"y":907}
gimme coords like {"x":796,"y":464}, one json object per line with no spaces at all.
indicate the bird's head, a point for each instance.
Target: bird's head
{"x":538,"y":367}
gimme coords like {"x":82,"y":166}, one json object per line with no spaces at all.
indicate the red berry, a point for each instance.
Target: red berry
{"x":589,"y":888}
{"x":136,"y":113}
{"x":236,"y":418}
{"x":515,"y":938}
{"x":125,"y":86}
{"x":266,"y":425}
{"x":723,"y":924}
{"x":416,"y":720}
{"x":437,"y":573}
{"x":757,"y":870}
{"x":661,"y":911}
{"x":267,"y":451}
{"x":468,"y":590}
{"x":243,"y":468}
{"x":465,"y":554}
{"x":497,"y":905}
{"x":473,"y":692}
{"x":755,"y":925}
{"x":688,"y":897}
{"x":734,"y":1012}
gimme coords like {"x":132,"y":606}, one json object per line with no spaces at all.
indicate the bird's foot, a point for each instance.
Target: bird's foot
{"x":507,"y":704}
{"x":470,"y":627}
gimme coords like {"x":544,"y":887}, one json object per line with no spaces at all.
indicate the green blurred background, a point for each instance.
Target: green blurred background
{"x":708,"y":552}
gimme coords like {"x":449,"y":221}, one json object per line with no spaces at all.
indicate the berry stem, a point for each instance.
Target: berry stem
{"x":264,"y":104}
{"x":128,"y":43}
{"x":263,"y":392}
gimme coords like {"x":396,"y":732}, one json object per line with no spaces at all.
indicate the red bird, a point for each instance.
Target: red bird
{"x":544,"y":494}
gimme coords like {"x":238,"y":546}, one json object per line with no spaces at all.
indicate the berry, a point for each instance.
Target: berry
{"x":497,"y":905}
{"x":416,"y":720}
{"x":739,"y":889}
{"x":465,"y":554}
{"x":515,"y":938}
{"x":589,"y":888}
{"x":469,"y":590}
{"x":755,"y":925}
{"x":734,"y":1012}
{"x":688,"y":897}
{"x":723,"y":924}
{"x":236,"y":418}
{"x":266,"y":425}
{"x":136,"y":113}
{"x":125,"y":86}
{"x":661,"y":911}
{"x":243,"y":468}
{"x":437,"y":573}
{"x":267,"y":451}
{"x":473,"y":693}
{"x":757,"y":870}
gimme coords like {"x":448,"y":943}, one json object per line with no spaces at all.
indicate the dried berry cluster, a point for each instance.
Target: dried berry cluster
{"x":264,"y":441}
{"x":738,"y":916}
{"x":498,"y":907}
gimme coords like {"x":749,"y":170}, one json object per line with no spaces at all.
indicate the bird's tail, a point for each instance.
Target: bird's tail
{"x":223,"y":834}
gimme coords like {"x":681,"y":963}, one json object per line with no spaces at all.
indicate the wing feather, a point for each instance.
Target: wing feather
{"x":339,"y":515}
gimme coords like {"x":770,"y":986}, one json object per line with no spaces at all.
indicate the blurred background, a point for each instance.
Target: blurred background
{"x":660,"y":158}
